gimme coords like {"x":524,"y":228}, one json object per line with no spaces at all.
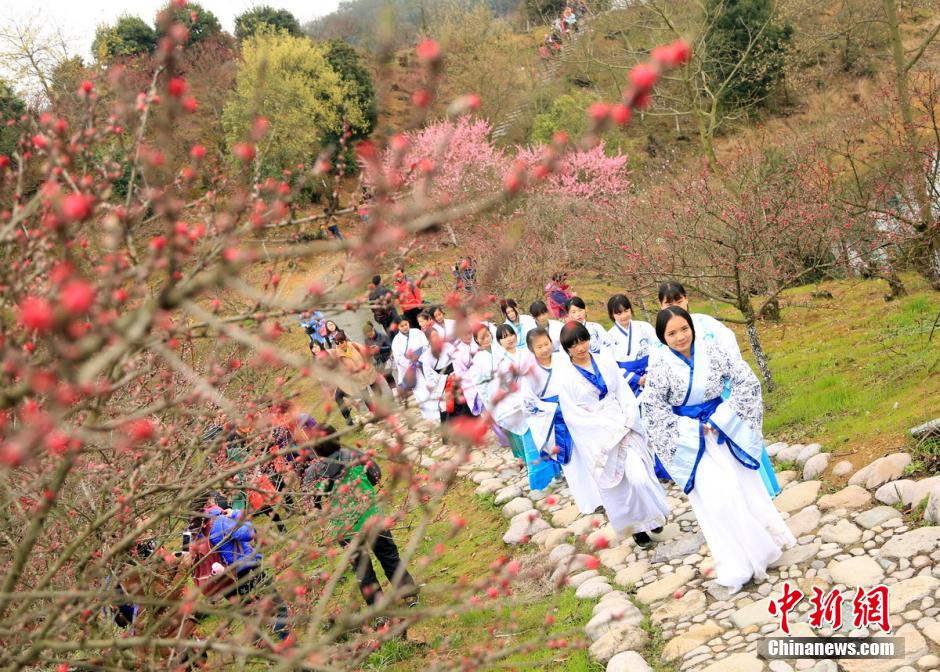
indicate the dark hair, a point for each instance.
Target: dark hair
{"x":426,"y":315}
{"x":402,"y":318}
{"x":573,"y":333}
{"x":538,"y":308}
{"x":617,"y":304}
{"x":329,"y":444}
{"x":506,"y":304}
{"x":376,"y":280}
{"x":575,"y":301}
{"x":480,"y":327}
{"x":317,"y":344}
{"x":666,"y":314}
{"x":671,"y":291}
{"x":504,"y":330}
{"x":340,"y":336}
{"x":434,"y":309}
{"x":536,"y":333}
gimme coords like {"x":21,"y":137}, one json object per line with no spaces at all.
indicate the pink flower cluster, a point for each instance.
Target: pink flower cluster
{"x":460,"y":161}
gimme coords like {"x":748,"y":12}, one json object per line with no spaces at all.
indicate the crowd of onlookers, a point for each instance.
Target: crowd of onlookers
{"x":563,"y":27}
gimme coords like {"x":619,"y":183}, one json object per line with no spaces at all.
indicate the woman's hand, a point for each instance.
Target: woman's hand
{"x":642,"y":382}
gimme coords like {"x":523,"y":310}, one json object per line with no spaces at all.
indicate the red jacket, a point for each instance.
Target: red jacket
{"x":409,"y":294}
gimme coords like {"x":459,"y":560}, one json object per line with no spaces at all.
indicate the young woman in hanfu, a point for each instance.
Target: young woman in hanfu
{"x":547,"y":422}
{"x":515,"y":407}
{"x":521,"y":324}
{"x":630,"y":341}
{"x":577,"y":311}
{"x":603,"y":418}
{"x":711,"y":446}
{"x":708,"y":328}
{"x":483,"y":375}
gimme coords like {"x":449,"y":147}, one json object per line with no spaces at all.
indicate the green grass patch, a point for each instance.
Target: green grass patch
{"x":516,"y":630}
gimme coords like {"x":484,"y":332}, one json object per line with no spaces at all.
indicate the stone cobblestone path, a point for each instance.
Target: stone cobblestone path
{"x":847,"y":538}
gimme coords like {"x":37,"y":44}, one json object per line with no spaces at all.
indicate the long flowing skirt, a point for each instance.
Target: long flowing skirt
{"x":638,"y":502}
{"x":743,"y":528}
{"x":584,"y":490}
{"x":541,"y":468}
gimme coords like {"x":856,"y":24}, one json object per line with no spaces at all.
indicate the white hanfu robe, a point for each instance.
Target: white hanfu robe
{"x":509,"y":412}
{"x":743,"y":528}
{"x":446,"y":330}
{"x":707,"y":327}
{"x":525,"y":324}
{"x":611,"y":435}
{"x":543,"y":383}
{"x":599,"y":338}
{"x":405,"y":347}
{"x":463,"y":361}
{"x":429,"y":393}
{"x":631,"y":344}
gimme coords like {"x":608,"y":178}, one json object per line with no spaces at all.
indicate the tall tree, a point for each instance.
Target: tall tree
{"x":247,"y":23}
{"x":745,"y":44}
{"x":923,"y":181}
{"x":129,"y":36}
{"x":346,"y":62}
{"x":201,"y":22}
{"x":11,"y":108}
{"x":288,"y":81}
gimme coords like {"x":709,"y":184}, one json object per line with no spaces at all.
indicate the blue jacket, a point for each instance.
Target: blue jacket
{"x":231,"y":537}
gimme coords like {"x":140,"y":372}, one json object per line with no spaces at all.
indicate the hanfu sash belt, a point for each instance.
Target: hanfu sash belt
{"x":743,"y":442}
{"x":638,"y":368}
{"x":595,"y":379}
{"x":562,"y":435}
{"x":410,"y":377}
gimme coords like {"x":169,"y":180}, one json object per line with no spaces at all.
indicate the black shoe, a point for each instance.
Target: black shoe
{"x":600,"y":509}
{"x":657,"y":530}
{"x":642,"y":539}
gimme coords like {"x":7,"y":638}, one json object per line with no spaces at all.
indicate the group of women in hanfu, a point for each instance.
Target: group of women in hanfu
{"x":615,"y":412}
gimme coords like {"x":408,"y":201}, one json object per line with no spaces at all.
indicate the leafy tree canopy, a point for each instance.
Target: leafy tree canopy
{"x":129,"y":36}
{"x":201,"y":22}
{"x":346,"y":63}
{"x":289,"y":81}
{"x":11,"y":108}
{"x":745,"y":42}
{"x":247,"y":23}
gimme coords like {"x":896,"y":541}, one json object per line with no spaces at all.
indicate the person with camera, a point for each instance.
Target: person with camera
{"x":228,"y":564}
{"x":152,"y":582}
{"x":343,"y":483}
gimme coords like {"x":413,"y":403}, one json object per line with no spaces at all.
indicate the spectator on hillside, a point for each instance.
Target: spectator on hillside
{"x":409,"y":297}
{"x":570,"y":19}
{"x":380,"y":347}
{"x":343,"y":483}
{"x":231,"y":535}
{"x":383,"y":301}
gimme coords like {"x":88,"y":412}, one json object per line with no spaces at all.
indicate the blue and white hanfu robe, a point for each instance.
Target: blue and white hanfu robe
{"x":631,"y":348}
{"x":708,"y":328}
{"x":549,"y":430}
{"x":603,"y":418}
{"x":599,"y":338}
{"x":525,"y":324}
{"x":683,"y":397}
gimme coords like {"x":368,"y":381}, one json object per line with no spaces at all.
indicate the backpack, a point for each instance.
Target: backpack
{"x":209,"y":581}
